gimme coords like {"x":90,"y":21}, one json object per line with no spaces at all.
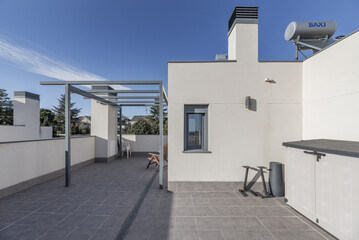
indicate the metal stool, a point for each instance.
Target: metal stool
{"x":247,"y":187}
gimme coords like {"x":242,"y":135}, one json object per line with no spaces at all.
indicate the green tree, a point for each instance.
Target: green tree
{"x":46,"y":117}
{"x":59,"y":120}
{"x":125,"y":124}
{"x":141,"y":127}
{"x":154,"y":119}
{"x":85,"y":130}
{"x":6,"y":112}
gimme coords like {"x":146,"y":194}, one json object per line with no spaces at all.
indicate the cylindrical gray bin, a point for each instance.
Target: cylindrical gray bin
{"x":276,"y":184}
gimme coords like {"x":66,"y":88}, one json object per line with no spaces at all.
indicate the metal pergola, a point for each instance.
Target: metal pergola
{"x":114,"y":99}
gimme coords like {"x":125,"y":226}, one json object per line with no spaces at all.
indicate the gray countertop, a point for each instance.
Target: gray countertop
{"x":339,"y":147}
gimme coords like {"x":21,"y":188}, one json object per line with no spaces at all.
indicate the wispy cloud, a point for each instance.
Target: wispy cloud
{"x":35,"y":62}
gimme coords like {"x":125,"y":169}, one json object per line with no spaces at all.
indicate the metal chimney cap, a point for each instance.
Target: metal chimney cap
{"x":24,"y":94}
{"x":243,"y":14}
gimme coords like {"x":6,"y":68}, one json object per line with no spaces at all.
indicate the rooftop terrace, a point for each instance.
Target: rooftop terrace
{"x":103,"y":200}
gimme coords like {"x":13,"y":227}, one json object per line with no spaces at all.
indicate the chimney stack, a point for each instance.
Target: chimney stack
{"x":27,"y":109}
{"x":243,"y":34}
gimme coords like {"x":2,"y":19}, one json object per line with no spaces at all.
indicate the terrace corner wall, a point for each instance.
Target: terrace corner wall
{"x":331,"y":92}
{"x":27,"y":163}
{"x":144,"y":143}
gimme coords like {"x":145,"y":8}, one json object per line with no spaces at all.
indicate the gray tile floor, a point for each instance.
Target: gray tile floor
{"x":94,"y":207}
{"x":102,"y":196}
{"x":218,"y":212}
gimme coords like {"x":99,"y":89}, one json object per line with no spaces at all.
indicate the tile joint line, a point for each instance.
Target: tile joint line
{"x":133,"y":214}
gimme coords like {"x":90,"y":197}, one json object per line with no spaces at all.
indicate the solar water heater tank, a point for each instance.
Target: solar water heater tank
{"x":310,"y":30}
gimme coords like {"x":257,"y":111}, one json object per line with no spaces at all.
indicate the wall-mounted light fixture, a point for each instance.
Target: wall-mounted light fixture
{"x":251,"y":103}
{"x":248,"y":102}
{"x":268,"y":80}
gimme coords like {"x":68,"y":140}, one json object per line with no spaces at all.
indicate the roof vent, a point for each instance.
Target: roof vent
{"x":243,"y":15}
{"x":221,"y":57}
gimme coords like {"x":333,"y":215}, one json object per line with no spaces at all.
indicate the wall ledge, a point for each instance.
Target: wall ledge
{"x":41,"y":179}
{"x":106,"y":159}
{"x":45,"y":139}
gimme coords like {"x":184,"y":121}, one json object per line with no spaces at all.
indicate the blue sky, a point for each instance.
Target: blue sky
{"x":133,"y":40}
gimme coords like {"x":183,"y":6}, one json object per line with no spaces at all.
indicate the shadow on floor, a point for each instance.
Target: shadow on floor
{"x":94,"y":207}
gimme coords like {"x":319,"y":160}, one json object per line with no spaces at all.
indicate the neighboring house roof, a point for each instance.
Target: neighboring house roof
{"x":137,"y":117}
{"x":85,"y":119}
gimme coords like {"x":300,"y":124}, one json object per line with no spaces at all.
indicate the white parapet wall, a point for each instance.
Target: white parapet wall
{"x":144,"y":143}
{"x":21,"y":133}
{"x":331,"y":92}
{"x":23,"y":161}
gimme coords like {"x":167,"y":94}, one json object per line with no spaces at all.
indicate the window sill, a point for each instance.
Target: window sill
{"x":196,"y":151}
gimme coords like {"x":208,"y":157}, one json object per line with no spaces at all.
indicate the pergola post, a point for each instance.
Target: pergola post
{"x":161,"y":136}
{"x":67,"y":135}
{"x":120,"y":110}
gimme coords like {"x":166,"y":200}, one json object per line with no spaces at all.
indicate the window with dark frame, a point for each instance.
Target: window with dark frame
{"x":195,"y":129}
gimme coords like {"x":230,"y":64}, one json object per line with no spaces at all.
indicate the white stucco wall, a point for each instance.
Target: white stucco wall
{"x":20,"y":133}
{"x":45,"y":132}
{"x":243,"y":43}
{"x":237,"y":136}
{"x":26,"y":112}
{"x":331,"y":92}
{"x":144,"y":143}
{"x":25,"y":160}
{"x":104,"y":127}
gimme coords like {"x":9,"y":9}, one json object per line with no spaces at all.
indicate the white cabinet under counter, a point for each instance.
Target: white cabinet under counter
{"x":322,"y":183}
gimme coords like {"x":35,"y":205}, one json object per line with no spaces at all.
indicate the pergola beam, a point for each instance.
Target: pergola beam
{"x":122,"y":91}
{"x":136,"y":102}
{"x":91,"y":82}
{"x":140,"y":105}
{"x":164,"y":94}
{"x":135,"y":105}
{"x":131,"y":97}
{"x":89,"y":95}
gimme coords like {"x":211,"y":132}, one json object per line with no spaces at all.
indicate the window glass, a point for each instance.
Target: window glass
{"x":195,"y":129}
